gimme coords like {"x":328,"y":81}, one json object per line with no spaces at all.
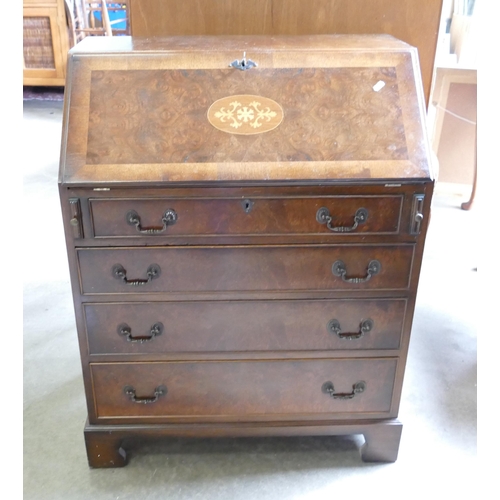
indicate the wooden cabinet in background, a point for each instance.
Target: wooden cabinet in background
{"x":414,"y":21}
{"x":45,"y":42}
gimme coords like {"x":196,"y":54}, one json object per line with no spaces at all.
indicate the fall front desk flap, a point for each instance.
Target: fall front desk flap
{"x":215,"y":109}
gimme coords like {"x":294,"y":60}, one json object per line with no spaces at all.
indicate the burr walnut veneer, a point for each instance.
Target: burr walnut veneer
{"x":245,"y":221}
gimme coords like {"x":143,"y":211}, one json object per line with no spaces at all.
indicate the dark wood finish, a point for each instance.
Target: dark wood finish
{"x":414,"y":21}
{"x":233,"y":269}
{"x":231,"y":216}
{"x":226,"y":228}
{"x":249,"y":390}
{"x":106,"y":449}
{"x":245,"y":292}
{"x":76,"y":217}
{"x":218,"y":326}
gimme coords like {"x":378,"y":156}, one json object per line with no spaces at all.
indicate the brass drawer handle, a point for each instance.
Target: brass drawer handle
{"x":323,"y":217}
{"x":126,"y":331}
{"x":334,"y":327}
{"x":357,"y":388}
{"x":169,"y":219}
{"x":120,"y":273}
{"x":339,"y":269}
{"x":161,"y":390}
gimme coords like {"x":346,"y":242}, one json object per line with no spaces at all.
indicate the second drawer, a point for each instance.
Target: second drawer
{"x":245,"y":269}
{"x":225,"y":326}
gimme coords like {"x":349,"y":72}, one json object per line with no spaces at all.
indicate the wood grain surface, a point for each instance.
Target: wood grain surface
{"x":330,"y":114}
{"x":229,"y":326}
{"x":262,"y":268}
{"x":245,"y":216}
{"x":243,"y":389}
{"x":136,"y":110}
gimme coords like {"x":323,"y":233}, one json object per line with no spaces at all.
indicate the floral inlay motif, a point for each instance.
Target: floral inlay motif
{"x":245,"y":114}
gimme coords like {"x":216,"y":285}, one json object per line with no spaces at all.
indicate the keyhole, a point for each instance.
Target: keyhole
{"x":247,"y":205}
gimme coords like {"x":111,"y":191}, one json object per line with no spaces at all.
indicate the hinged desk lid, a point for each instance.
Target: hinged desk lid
{"x":253,"y":109}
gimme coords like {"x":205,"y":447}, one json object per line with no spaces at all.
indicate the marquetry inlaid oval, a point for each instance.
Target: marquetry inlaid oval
{"x":245,"y":114}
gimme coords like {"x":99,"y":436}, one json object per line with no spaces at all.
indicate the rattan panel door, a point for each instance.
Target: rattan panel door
{"x":45,"y":43}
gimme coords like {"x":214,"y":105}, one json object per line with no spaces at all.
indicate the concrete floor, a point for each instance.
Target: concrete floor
{"x":438,"y":449}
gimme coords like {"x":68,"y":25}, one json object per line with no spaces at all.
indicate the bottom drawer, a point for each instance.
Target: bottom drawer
{"x":244,"y":390}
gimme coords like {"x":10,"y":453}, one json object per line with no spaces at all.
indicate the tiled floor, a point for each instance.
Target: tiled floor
{"x":437,"y":456}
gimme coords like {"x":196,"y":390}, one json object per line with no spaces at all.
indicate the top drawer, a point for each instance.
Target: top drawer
{"x":237,"y":216}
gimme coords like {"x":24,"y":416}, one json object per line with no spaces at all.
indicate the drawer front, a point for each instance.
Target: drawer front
{"x":235,"y":216}
{"x":232,"y":269}
{"x":220,"y":326}
{"x":236,"y":389}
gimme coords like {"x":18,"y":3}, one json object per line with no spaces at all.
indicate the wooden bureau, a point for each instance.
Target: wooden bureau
{"x":245,"y":220}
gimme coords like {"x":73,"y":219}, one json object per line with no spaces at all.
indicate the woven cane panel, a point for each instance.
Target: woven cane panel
{"x":37,"y":43}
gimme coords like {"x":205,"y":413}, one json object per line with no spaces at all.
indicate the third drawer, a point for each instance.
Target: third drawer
{"x":244,"y":326}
